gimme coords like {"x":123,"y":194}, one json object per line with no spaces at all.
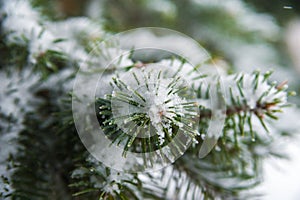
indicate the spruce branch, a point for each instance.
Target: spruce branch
{"x":45,"y":47}
{"x":248,"y":96}
{"x":51,"y":162}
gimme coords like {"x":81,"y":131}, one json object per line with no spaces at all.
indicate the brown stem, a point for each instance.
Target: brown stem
{"x":232,"y":110}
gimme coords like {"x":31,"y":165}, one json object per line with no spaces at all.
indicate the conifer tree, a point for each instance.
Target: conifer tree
{"x":201,"y":127}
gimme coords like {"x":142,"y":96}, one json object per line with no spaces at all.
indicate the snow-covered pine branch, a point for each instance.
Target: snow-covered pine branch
{"x":250,"y":98}
{"x":168,"y":104}
{"x":166,"y":96}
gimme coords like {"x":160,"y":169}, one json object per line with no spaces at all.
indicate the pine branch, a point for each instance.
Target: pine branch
{"x":248,"y":96}
{"x":46,"y":147}
{"x":49,"y":147}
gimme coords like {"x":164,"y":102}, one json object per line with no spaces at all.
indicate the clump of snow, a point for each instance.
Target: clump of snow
{"x":24,"y":22}
{"x":73,"y":31}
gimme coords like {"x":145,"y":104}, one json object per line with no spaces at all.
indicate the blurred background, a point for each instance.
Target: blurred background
{"x":243,"y":35}
{"x":240,"y":35}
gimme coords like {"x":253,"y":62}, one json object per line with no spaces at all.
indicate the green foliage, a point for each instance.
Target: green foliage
{"x":46,"y":149}
{"x":13,"y":54}
{"x":50,"y":161}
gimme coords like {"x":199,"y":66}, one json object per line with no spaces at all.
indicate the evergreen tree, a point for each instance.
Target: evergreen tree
{"x":145,"y":101}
